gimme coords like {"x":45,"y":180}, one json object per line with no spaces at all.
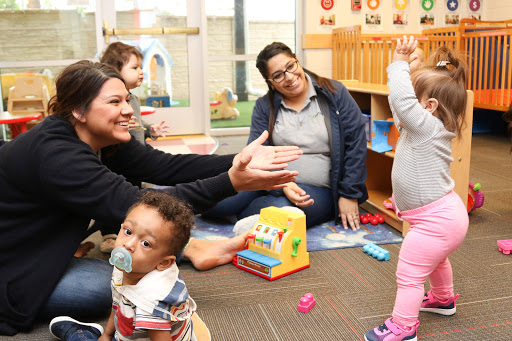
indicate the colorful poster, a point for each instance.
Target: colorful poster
{"x":373,"y":4}
{"x":401,"y":5}
{"x":400,"y":12}
{"x":452,"y":16}
{"x":475,"y":9}
{"x":452,"y":5}
{"x":427,"y":5}
{"x":372,"y":19}
{"x":327,"y":17}
{"x":427,"y":17}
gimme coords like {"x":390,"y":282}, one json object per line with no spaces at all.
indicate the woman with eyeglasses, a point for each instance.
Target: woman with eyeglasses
{"x":319,"y":115}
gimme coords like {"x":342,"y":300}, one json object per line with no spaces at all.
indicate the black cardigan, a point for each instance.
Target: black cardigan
{"x":52,"y":184}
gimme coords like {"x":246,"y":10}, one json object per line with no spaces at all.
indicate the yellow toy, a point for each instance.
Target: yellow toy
{"x":224,"y":105}
{"x":276,"y":246}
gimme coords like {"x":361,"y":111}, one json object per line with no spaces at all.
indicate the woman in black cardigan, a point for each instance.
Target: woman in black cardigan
{"x":71,"y":168}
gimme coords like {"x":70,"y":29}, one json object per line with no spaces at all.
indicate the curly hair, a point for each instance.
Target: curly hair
{"x":172,"y":210}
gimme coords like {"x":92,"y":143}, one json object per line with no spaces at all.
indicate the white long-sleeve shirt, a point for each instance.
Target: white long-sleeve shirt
{"x":421,"y":168}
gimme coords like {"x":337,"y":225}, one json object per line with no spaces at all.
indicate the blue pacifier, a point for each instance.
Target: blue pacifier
{"x":121,"y":259}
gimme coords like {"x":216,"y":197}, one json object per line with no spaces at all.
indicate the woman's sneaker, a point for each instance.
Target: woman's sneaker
{"x":390,"y":331}
{"x":66,"y":328}
{"x":433,"y":305}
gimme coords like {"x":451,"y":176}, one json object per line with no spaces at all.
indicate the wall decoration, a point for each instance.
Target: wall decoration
{"x":475,"y":9}
{"x":452,"y":14}
{"x":474,"y":5}
{"x":427,"y":5}
{"x":452,"y":5}
{"x":372,"y":19}
{"x":401,"y":4}
{"x":427,"y":19}
{"x":399,"y":19}
{"x":373,"y":4}
{"x":328,"y":20}
{"x":427,"y":16}
{"x":400,"y":12}
{"x":355,"y":5}
{"x":327,"y":4}
{"x":451,"y":19}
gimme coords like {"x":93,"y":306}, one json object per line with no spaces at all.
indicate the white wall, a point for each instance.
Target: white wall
{"x":320,"y":60}
{"x":499,"y":9}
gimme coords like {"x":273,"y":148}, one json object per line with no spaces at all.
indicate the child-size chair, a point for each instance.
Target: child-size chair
{"x":28,"y":95}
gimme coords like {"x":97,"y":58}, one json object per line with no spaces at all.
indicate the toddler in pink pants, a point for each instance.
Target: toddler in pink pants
{"x":428,"y":108}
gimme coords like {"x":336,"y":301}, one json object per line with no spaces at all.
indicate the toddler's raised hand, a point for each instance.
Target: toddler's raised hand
{"x":403,"y":50}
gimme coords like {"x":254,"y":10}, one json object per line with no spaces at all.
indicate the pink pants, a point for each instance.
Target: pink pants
{"x":436,"y":231}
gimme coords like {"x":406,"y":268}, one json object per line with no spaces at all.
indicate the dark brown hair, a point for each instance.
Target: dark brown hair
{"x":77,"y":86}
{"x":176,"y":212}
{"x":264,"y":56}
{"x":443,"y":77}
{"x":118,"y":54}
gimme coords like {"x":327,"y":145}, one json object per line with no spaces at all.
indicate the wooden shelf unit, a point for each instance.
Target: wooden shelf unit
{"x":374,"y":98}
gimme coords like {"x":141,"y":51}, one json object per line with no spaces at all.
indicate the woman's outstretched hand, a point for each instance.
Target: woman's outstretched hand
{"x":269,"y":157}
{"x":251,"y":168}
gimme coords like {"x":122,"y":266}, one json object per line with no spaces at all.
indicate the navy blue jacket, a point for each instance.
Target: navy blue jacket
{"x":346,"y":134}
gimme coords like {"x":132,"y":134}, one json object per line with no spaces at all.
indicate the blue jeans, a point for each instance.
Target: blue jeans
{"x":245,"y":204}
{"x":83,"y":291}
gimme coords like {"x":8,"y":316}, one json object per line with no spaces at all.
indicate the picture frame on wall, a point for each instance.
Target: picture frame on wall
{"x":399,"y":19}
{"x":373,"y":19}
{"x":427,"y":19}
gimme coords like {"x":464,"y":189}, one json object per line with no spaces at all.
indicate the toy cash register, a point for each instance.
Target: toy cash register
{"x":276,"y":246}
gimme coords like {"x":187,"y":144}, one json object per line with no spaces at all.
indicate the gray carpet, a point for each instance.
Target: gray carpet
{"x":355,"y":292}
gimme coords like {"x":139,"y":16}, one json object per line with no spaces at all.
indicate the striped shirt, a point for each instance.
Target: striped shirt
{"x":138,"y":308}
{"x":421,"y":168}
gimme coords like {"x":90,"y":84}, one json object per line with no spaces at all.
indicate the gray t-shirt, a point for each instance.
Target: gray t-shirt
{"x":307,"y":130}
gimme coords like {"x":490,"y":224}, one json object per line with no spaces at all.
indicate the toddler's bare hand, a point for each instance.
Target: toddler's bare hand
{"x":404,"y":49}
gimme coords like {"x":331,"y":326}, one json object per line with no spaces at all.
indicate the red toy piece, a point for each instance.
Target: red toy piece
{"x":505,"y":246}
{"x":364,"y":220}
{"x":374,"y":220}
{"x":306,"y":303}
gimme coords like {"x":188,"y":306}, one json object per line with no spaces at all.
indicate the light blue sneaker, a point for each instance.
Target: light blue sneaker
{"x":66,"y":328}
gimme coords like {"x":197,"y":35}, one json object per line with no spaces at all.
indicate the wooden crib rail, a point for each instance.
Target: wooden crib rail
{"x":490,"y":68}
{"x":487,"y":45}
{"x":365,"y":57}
{"x":346,"y":52}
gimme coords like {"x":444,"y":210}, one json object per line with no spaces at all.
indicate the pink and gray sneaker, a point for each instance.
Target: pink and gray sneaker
{"x":390,"y":331}
{"x":433,"y":305}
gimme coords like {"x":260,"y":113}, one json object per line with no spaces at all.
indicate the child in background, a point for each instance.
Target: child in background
{"x":150,"y":299}
{"x":127,"y":60}
{"x":431,"y":109}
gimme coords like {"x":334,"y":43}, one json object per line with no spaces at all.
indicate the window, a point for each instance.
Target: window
{"x":237,"y":31}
